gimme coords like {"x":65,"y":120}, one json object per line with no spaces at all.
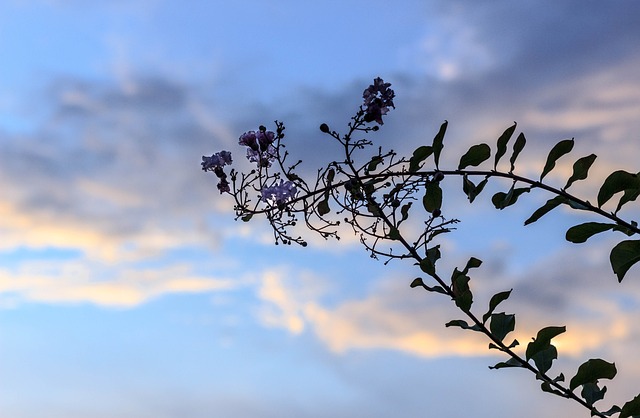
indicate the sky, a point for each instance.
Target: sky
{"x":127,"y":289}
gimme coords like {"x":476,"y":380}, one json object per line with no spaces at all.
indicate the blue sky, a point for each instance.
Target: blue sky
{"x":126,"y":288}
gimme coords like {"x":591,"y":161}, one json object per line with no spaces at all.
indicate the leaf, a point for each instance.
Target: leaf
{"x":629,"y":196}
{"x":417,"y":282}
{"x":461,"y":292}
{"x":613,"y":410}
{"x":502,"y":324}
{"x":330,"y":176}
{"x":591,"y":371}
{"x":546,"y":387}
{"x":494,"y":302}
{"x":476,"y":155}
{"x":373,"y":164}
{"x":512,"y":362}
{"x":438,"y":142}
{"x":473,"y":263}
{"x":462,"y":324}
{"x":247,"y":217}
{"x":581,"y":169}
{"x":561,"y":148}
{"x":428,"y":267}
{"x":419,"y":155}
{"x":624,"y":255}
{"x":521,"y":141}
{"x":404,"y":210}
{"x":543,"y":340}
{"x":433,"y":254}
{"x":502,"y":144}
{"x":432,"y":199}
{"x":546,"y":208}
{"x":502,"y":200}
{"x":323,"y":207}
{"x":470,"y":189}
{"x":544,"y":358}
{"x":592,"y":393}
{"x":616,"y":182}
{"x":631,"y":408}
{"x":581,"y":233}
{"x":394,"y":233}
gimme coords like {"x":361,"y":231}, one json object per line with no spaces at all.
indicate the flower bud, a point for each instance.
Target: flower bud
{"x":438,"y":176}
{"x":324,"y":128}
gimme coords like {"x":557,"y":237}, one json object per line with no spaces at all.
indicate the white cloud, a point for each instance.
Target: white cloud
{"x":77,"y":282}
{"x":598,"y":314}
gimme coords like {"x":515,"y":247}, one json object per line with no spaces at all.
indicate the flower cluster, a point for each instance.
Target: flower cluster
{"x":279,"y":193}
{"x":259,"y":145}
{"x":378,"y":97}
{"x":215,"y":164}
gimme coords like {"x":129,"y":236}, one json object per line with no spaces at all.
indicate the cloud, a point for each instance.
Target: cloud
{"x":78,"y":282}
{"x":598,"y":313}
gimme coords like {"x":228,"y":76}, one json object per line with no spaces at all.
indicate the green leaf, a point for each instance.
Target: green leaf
{"x":502,"y":324}
{"x":433,"y":254}
{"x":591,"y":371}
{"x":462,"y":324}
{"x":521,"y":141}
{"x":502,"y":144}
{"x":432,"y":199}
{"x":624,"y":255}
{"x":373,"y":164}
{"x":417,"y":282}
{"x":428,"y":267}
{"x":419,"y":155}
{"x":544,"y":358}
{"x":561,"y":148}
{"x":592,"y":393}
{"x":581,"y":233}
{"x":546,"y":387}
{"x":629,"y":196}
{"x":393,"y":234}
{"x":512,"y":362}
{"x":461,"y":292}
{"x":616,"y":182}
{"x":581,"y":169}
{"x":473,"y":263}
{"x":438,"y":142}
{"x":546,"y":208}
{"x":476,"y":155}
{"x":631,"y":408}
{"x":323,"y":207}
{"x":470,"y":189}
{"x":543,"y":340}
{"x":502,"y":200}
{"x":613,"y":410}
{"x":494,"y":302}
{"x":331,"y":175}
{"x":247,"y":217}
{"x":404,"y":210}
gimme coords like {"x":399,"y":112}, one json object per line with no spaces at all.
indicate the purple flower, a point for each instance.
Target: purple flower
{"x":249,"y":139}
{"x":223,"y":185}
{"x":259,"y":145}
{"x":279,"y":193}
{"x":215,"y":164}
{"x":219,"y":159}
{"x":263,"y":158}
{"x":265,"y":138}
{"x":378,"y":97}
